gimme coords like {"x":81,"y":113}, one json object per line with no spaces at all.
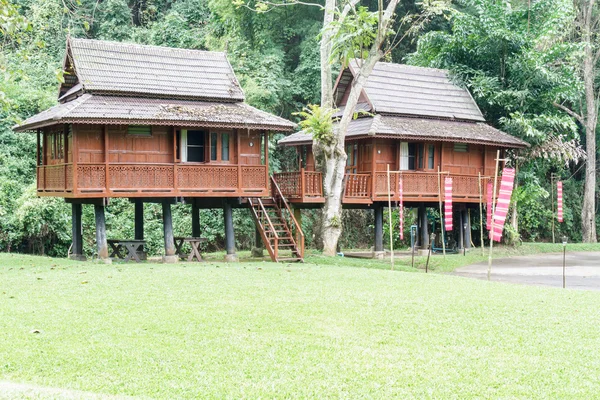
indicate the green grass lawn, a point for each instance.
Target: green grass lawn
{"x":324,"y":329}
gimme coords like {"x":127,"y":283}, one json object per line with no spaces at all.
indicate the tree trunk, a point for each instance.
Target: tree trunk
{"x":331,"y":159}
{"x":588,"y":217}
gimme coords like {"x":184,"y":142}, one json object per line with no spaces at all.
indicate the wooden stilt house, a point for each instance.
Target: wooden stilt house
{"x":417,"y":123}
{"x":156,"y":124}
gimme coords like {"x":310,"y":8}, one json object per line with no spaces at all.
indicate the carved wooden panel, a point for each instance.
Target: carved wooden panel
{"x":91,"y":176}
{"x":69,"y":177}
{"x":289,"y":183}
{"x":55,"y":177}
{"x":140,"y":177}
{"x":199,"y":177}
{"x":254,"y":177}
{"x":40,"y":178}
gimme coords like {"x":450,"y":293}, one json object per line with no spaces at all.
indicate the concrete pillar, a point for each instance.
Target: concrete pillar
{"x":467,"y":221}
{"x":101,"y":242}
{"x":195,"y":220}
{"x":169,"y":256}
{"x":378,"y":249}
{"x":77,"y":248}
{"x":229,"y":233}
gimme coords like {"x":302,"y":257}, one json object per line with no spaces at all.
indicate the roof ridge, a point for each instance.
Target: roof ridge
{"x":141,"y":45}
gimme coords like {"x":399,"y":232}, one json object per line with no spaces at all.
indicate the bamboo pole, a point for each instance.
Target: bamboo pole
{"x":481,"y":216}
{"x":390,"y":216}
{"x":489,"y":271}
{"x":442,"y":224}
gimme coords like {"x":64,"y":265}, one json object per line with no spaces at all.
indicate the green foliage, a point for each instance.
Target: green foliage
{"x":354,"y":35}
{"x":517,"y":61}
{"x":318,"y":122}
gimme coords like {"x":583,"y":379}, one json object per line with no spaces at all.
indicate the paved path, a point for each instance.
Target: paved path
{"x":582,"y":270}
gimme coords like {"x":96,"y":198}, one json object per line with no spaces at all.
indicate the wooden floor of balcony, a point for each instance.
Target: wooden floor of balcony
{"x":152,"y":180}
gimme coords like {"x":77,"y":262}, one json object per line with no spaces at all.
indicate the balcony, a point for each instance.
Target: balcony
{"x":139,"y":180}
{"x":365,"y":188}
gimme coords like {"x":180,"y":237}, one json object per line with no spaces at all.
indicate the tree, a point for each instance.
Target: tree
{"x":587,"y":23}
{"x":353,"y":32}
{"x":517,"y":60}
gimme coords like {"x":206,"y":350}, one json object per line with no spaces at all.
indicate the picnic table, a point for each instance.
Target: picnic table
{"x":194,"y":243}
{"x":132,"y":247}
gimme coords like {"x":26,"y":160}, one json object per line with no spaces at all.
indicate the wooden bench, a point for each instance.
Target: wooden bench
{"x":132,"y":247}
{"x":194,"y":243}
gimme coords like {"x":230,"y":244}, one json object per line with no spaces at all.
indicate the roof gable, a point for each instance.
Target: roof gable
{"x":414,"y":91}
{"x":150,"y":71}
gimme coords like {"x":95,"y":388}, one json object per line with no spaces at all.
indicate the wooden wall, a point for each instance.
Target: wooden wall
{"x":477,"y":158}
{"x":250,"y":147}
{"x":157,"y":148}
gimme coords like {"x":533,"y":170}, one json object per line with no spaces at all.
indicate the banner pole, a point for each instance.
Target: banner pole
{"x":390,"y":216}
{"x":481,"y":216}
{"x":489,"y":271}
{"x":442,"y":226}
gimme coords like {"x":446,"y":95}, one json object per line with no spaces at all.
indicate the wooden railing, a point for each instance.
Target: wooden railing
{"x":357,"y":186}
{"x":364,"y":188}
{"x":304,"y":185}
{"x":154,"y":178}
{"x":55,"y":178}
{"x":288,"y":215}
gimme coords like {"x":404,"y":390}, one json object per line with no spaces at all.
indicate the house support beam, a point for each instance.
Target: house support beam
{"x":257,"y":250}
{"x":467,"y":225}
{"x":229,"y":233}
{"x":77,"y":248}
{"x":378,"y":249}
{"x":423,"y":227}
{"x":461,"y":230}
{"x":169,"y":256}
{"x":195,"y":220}
{"x":139,"y":225}
{"x":101,"y":243}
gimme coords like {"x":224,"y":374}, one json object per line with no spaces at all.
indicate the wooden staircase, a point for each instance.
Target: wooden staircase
{"x":280,"y":232}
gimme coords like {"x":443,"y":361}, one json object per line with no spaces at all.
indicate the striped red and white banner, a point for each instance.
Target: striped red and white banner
{"x":506,"y":188}
{"x":559,"y":201}
{"x":448,"y":204}
{"x":401,"y":207}
{"x":490,"y":189}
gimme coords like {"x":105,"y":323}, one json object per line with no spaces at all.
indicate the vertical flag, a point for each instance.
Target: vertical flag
{"x":559,"y":202}
{"x":490,"y":189}
{"x":401,"y":208}
{"x":448,"y":204}
{"x":506,"y":187}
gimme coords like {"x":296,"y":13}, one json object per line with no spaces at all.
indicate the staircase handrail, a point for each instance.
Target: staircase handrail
{"x":264,"y":210}
{"x":275,"y":188}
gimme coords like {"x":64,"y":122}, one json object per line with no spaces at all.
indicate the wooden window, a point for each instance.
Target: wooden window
{"x":303,"y":154}
{"x":412,"y":154}
{"x":139,"y":130}
{"x":351,"y":153}
{"x":195,"y":146}
{"x":461,"y":147}
{"x":431,"y":156}
{"x":225,"y":147}
{"x":421,"y":154}
{"x":220,"y":145}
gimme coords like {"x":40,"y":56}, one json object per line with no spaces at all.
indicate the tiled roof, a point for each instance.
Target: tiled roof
{"x":406,"y":128}
{"x":133,"y":69}
{"x":415,"y":91}
{"x":99,"y":109}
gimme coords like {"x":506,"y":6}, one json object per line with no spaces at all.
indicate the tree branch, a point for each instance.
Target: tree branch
{"x":570,"y":112}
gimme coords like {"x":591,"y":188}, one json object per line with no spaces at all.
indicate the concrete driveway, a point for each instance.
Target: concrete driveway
{"x":582,"y":270}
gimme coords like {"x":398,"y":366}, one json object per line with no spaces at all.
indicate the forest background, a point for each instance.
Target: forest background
{"x":518,"y":58}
